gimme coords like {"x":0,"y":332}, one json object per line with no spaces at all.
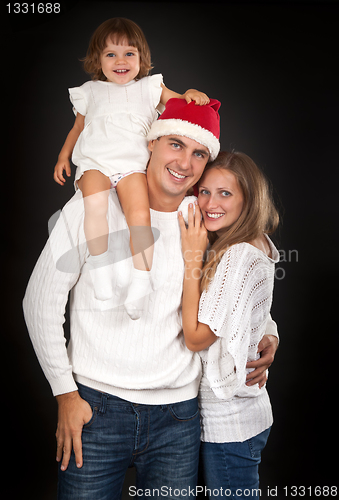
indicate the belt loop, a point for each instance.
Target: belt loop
{"x":103,"y":406}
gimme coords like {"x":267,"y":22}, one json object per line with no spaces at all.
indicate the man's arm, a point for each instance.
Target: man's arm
{"x":44,"y":309}
{"x":46,"y":297}
{"x":267,"y":348}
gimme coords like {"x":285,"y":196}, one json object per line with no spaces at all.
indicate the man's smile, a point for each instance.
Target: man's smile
{"x":176,"y":174}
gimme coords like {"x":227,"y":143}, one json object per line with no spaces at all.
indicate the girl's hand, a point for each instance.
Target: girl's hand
{"x":194,"y":238}
{"x":58,"y":171}
{"x":194,"y":95}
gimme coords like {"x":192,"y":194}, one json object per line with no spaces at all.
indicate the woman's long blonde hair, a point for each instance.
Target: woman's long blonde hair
{"x":258,"y":215}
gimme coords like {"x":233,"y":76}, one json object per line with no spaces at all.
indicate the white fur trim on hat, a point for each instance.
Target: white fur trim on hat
{"x":175,"y":126}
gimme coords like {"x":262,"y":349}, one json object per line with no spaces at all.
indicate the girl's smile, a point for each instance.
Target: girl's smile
{"x":120,"y":63}
{"x":220,"y":199}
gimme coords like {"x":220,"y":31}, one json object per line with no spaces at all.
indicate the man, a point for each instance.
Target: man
{"x":127,"y":390}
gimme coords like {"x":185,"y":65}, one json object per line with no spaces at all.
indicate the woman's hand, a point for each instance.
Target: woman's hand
{"x":59,"y":169}
{"x":198,"y":97}
{"x":194,"y":241}
{"x":194,"y":238}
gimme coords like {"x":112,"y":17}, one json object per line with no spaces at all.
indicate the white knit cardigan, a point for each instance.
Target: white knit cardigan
{"x":236,"y":307}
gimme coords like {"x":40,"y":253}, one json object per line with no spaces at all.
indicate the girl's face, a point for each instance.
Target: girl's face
{"x":220,"y":199}
{"x":120,"y":63}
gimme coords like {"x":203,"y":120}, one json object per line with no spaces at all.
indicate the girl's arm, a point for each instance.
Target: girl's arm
{"x":198,"y":336}
{"x":190,"y":95}
{"x":67,"y":149}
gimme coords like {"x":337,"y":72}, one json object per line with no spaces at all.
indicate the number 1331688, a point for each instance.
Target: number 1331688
{"x":310,"y":491}
{"x":31,"y":8}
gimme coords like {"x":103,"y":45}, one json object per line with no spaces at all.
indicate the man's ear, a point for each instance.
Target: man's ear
{"x":151,"y":145}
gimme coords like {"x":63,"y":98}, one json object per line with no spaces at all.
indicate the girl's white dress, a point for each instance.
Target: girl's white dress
{"x":117,"y":121}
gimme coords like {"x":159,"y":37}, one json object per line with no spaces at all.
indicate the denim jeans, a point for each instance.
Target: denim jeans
{"x":160,"y":441}
{"x":233,"y":468}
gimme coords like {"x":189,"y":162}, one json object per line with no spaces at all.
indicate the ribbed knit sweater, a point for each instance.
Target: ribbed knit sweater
{"x":144,"y":361}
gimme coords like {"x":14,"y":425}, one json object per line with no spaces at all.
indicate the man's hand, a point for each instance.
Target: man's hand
{"x":267,"y":348}
{"x":73,"y":413}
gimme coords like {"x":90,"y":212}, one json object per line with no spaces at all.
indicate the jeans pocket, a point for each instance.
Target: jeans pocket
{"x":185,"y":410}
{"x":93,"y":417}
{"x":257,"y":443}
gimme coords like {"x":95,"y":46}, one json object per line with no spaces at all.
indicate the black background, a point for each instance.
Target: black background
{"x":273,"y":66}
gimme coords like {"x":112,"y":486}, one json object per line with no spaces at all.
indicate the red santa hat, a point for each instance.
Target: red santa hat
{"x":200,"y":123}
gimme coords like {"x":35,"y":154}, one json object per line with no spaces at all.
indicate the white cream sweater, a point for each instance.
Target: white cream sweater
{"x":143,"y":361}
{"x":236,"y":307}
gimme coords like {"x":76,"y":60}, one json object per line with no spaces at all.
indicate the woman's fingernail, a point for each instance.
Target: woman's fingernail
{"x":179,"y":213}
{"x":190,"y":205}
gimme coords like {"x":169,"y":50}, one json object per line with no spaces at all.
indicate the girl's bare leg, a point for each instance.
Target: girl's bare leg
{"x":95,"y":190}
{"x":133,"y":196}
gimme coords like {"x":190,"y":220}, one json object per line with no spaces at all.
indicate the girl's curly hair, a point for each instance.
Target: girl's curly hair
{"x":116,"y":29}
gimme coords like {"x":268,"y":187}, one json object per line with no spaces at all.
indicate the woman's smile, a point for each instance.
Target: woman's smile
{"x":220,"y":199}
{"x":211,"y":215}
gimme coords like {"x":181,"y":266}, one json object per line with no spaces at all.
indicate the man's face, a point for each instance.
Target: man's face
{"x":176,"y":164}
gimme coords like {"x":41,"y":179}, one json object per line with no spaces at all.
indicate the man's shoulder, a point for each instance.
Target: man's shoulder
{"x":75,"y":204}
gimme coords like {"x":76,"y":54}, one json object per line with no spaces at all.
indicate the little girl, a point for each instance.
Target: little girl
{"x":114,"y":113}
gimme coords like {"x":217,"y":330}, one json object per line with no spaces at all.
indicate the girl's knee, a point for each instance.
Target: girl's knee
{"x":140,"y":217}
{"x":93,"y":182}
{"x":96,"y":204}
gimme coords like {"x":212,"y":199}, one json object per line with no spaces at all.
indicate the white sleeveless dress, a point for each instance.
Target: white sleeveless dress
{"x":117,"y":121}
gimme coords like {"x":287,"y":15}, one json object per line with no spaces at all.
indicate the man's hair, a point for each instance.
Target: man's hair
{"x":117,"y":29}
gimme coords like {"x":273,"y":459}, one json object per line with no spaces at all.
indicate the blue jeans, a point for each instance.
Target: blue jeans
{"x":160,"y":441}
{"x":233,"y":468}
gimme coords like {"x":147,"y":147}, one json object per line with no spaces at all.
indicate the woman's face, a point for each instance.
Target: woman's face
{"x":220,"y":199}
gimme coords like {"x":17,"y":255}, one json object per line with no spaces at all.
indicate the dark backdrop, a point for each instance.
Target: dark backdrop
{"x":272,"y":65}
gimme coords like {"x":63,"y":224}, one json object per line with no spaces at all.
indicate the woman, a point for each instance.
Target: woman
{"x":229,"y":319}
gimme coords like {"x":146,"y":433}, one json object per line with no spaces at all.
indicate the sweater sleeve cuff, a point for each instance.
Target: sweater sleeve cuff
{"x":271,"y":328}
{"x":63,"y":385}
